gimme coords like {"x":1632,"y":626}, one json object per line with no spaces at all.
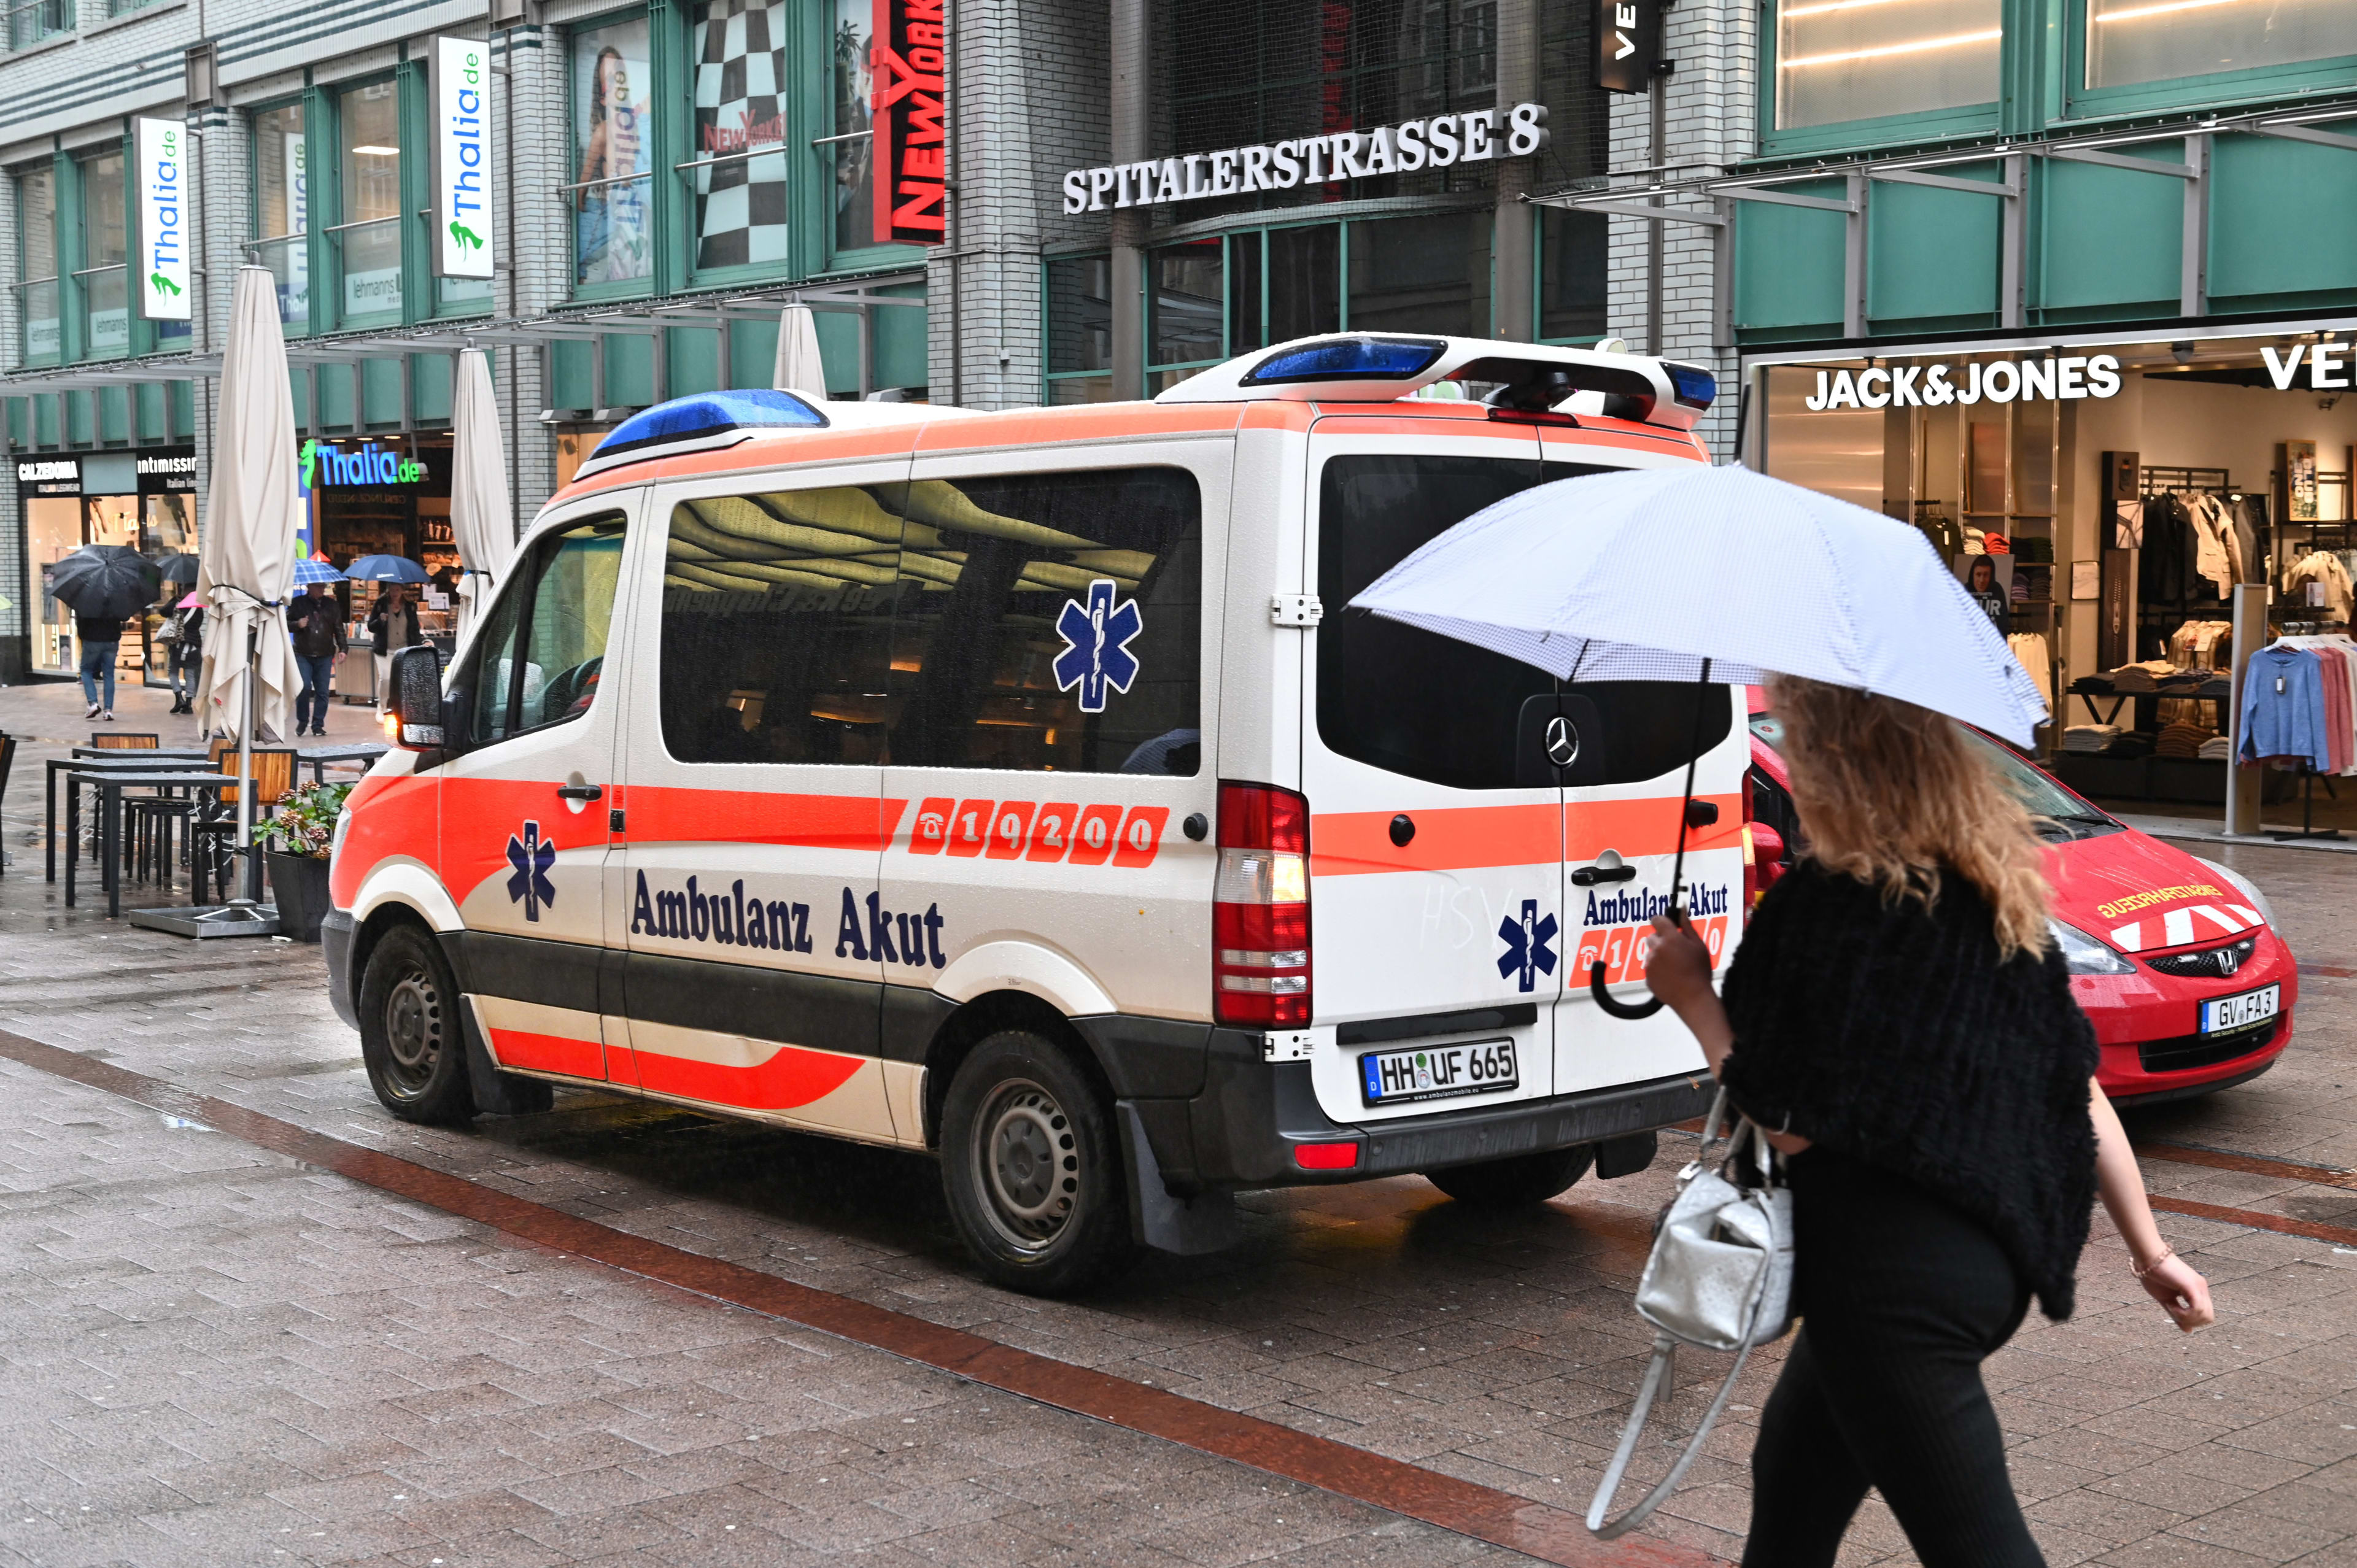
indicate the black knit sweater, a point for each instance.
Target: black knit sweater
{"x":1892,"y":1033}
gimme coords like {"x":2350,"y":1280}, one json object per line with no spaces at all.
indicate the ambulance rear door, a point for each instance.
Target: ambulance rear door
{"x":1437,"y":917}
{"x":1629,"y":743}
{"x":745,"y":880}
{"x":1054,"y":681}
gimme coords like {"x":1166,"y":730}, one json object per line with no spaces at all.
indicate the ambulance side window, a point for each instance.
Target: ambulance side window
{"x":542,"y":650}
{"x":777,"y":626}
{"x":1048,"y":622}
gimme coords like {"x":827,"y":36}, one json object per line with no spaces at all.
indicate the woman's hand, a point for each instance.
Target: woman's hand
{"x":1678,"y":970}
{"x":2181,"y":1290}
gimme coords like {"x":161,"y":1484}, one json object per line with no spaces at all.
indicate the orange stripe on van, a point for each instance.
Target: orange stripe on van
{"x":1632,"y":828}
{"x":1458,"y":838}
{"x":1080,"y":422}
{"x":1596,"y":431}
{"x":549,"y":1053}
{"x":1467,"y":838}
{"x":790,"y":1079}
{"x":796,"y":449}
{"x":669,"y":815}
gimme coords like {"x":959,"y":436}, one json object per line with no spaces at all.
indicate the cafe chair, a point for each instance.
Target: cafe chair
{"x":120,"y":740}
{"x":212,"y":831}
{"x":7,"y":760}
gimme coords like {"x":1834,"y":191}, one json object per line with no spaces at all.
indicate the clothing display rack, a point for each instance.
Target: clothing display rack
{"x":2307,"y":828}
{"x":2153,"y":481}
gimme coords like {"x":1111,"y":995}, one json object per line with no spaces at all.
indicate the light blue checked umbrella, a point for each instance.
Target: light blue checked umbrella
{"x":310,"y":572}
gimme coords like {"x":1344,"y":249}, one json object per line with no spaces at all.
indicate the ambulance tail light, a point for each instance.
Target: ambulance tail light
{"x":1259,"y":908}
{"x":1752,"y":889}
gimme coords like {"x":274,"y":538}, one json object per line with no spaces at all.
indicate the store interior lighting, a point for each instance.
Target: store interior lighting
{"x":1921,"y":45}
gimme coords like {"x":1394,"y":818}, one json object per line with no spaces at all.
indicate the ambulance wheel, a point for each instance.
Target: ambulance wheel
{"x":1032,"y":1167}
{"x":410,"y":1036}
{"x":1517,"y":1181}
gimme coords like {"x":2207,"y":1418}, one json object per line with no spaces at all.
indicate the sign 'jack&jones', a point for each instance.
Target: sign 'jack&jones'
{"x":1475,"y":137}
{"x":2065,"y":378}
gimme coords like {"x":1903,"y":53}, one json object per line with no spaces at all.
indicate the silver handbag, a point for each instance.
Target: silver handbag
{"x":1721,"y":1278}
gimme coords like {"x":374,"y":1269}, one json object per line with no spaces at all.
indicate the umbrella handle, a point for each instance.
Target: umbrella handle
{"x":1613,"y":1004}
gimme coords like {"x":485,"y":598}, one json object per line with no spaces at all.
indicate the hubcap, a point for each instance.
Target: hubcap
{"x":1029,"y":1165}
{"x":413,"y":1031}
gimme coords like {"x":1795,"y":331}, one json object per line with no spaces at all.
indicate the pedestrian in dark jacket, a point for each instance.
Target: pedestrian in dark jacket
{"x":1899,"y":1021}
{"x":316,"y":622}
{"x":393,"y":626}
{"x":101,"y":638}
{"x":184,"y":657}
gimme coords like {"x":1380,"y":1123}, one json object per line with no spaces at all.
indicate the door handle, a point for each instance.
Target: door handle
{"x":1594,"y":875}
{"x":579,"y":792}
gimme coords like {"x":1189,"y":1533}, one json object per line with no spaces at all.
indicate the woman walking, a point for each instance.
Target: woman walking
{"x":393,"y":626}
{"x":1898,"y":1020}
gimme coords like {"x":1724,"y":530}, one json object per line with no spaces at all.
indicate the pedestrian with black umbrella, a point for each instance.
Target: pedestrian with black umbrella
{"x":103,"y":585}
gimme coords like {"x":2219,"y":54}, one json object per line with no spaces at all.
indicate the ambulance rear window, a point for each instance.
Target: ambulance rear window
{"x":1414,"y":702}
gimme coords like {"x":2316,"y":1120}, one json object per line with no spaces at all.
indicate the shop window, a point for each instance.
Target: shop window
{"x":1573,"y":248}
{"x":2132,"y":41}
{"x":106,"y":308}
{"x":1186,"y":309}
{"x":52,"y":533}
{"x":1426,"y":273}
{"x":1049,"y":621}
{"x":1246,"y":325}
{"x":613,"y":149}
{"x":739,"y":50}
{"x":850,"y":149}
{"x":282,"y":188}
{"x":1837,"y":59}
{"x":367,"y":241}
{"x":1080,"y":330}
{"x":776,"y":627}
{"x":540,"y":656}
{"x":36,"y":265}
{"x":1305,"y":284}
{"x":30,"y":21}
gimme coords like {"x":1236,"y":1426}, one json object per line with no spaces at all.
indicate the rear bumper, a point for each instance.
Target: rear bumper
{"x":1241,"y":1130}
{"x":336,"y":930}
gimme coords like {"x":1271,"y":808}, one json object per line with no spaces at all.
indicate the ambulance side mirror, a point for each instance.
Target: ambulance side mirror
{"x":415,"y":709}
{"x":1768,"y":855}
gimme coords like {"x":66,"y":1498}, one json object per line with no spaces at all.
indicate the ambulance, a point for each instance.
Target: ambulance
{"x":1017,"y":789}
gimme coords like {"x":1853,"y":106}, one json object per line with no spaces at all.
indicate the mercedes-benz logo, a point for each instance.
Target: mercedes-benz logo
{"x":1562,"y":742}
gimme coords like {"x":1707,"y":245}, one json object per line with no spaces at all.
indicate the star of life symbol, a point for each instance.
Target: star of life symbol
{"x":1096,"y":645}
{"x":1526,"y":942}
{"x":531,"y":855}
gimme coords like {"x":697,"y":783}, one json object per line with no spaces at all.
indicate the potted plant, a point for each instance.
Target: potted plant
{"x":295,"y":839}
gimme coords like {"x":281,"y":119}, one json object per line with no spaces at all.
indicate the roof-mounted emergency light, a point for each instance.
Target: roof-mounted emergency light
{"x":701,"y":423}
{"x":1530,"y":378}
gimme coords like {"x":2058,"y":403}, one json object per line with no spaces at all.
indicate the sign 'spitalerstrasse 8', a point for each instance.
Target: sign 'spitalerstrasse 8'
{"x":1475,"y":137}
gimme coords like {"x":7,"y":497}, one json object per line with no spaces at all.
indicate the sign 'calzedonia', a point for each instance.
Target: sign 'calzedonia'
{"x":1475,"y":137}
{"x":910,"y":123}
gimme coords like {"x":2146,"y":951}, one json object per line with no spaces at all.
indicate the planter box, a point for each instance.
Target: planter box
{"x":298,"y":884}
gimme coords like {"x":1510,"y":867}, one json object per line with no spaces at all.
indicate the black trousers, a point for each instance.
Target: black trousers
{"x":1902,"y":1298}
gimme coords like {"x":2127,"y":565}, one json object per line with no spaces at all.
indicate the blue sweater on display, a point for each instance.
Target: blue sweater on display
{"x":2283,"y":708}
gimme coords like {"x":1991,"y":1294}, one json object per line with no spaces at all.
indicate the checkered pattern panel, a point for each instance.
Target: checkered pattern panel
{"x":740,"y":104}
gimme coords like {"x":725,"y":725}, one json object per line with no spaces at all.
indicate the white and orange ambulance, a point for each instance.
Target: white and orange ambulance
{"x":1015,"y":788}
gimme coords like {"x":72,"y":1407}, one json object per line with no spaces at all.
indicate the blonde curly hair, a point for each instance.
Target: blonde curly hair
{"x":1891,"y":793}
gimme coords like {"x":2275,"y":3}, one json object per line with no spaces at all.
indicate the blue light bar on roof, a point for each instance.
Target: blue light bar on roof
{"x":705,"y":415}
{"x":1349,"y":360}
{"x":1694,"y":386}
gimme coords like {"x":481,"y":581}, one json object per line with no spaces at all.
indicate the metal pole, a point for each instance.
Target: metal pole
{"x":246,"y":776}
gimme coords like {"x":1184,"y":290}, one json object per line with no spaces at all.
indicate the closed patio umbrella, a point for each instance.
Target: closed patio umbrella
{"x":245,"y":572}
{"x":799,"y":368}
{"x":482,"y":514}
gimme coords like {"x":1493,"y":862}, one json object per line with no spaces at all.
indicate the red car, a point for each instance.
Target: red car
{"x":2176,"y":958}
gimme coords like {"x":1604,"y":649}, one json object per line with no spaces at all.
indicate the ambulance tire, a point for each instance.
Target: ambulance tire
{"x":1032,"y":1166}
{"x":1517,"y":1181}
{"x":411,"y":1040}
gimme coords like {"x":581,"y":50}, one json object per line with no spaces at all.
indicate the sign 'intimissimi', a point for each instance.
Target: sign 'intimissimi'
{"x":1475,"y":137}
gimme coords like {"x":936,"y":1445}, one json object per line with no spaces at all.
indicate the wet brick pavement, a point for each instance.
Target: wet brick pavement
{"x":212,"y":1354}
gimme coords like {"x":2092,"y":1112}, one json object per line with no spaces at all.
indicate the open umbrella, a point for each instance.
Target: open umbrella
{"x":1712,"y":574}
{"x":180,"y":568}
{"x":482,"y":514}
{"x":310,"y":572}
{"x":110,"y":582}
{"x":245,"y":572}
{"x":386,"y":569}
{"x":186,"y":602}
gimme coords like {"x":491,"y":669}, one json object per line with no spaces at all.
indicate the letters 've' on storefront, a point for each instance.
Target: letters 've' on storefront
{"x":911,"y":124}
